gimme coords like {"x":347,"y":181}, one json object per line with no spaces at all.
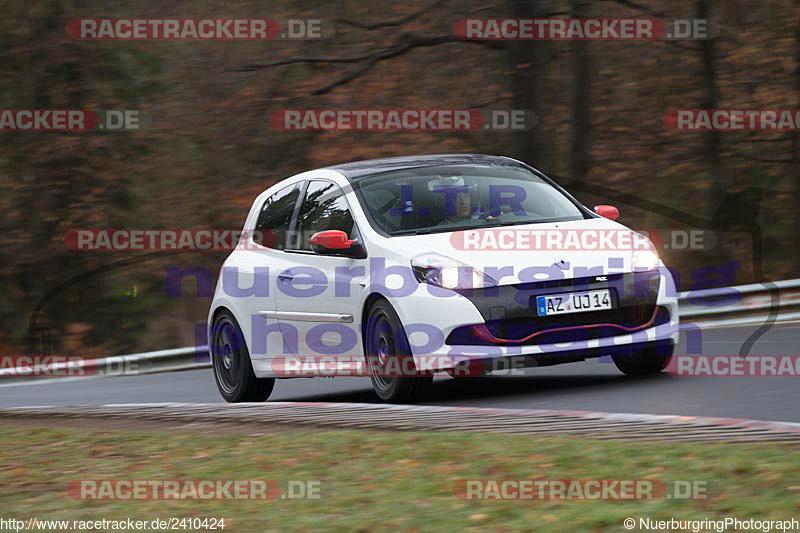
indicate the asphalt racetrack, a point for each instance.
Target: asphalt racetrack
{"x":591,"y":385}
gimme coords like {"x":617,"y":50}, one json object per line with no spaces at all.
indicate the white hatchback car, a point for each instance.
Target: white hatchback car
{"x":434,"y":262}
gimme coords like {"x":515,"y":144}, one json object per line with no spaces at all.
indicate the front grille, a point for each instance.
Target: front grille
{"x":509,"y":312}
{"x":565,"y":328}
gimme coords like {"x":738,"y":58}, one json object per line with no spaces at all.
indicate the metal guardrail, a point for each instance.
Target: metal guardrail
{"x":726,"y":306}
{"x":742,"y":305}
{"x":172,"y":360}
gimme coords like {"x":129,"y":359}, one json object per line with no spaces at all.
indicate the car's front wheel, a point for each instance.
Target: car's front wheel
{"x":231,"y":362}
{"x":651,"y":360}
{"x":392,"y":370}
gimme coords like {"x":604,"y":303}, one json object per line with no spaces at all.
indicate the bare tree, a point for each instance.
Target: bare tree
{"x":526,"y":61}
{"x":581,"y":100}
{"x":795,"y":167}
{"x":711,"y":139}
{"x":527,"y":64}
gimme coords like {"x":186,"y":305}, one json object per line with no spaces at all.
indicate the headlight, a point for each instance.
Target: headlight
{"x":449,"y":273}
{"x":645,"y":260}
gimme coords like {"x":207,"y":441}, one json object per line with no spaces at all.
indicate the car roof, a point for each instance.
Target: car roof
{"x":360,"y":169}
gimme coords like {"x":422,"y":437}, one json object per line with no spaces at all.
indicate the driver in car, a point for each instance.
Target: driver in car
{"x":462,"y":211}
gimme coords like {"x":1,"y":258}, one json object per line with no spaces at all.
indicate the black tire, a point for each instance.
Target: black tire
{"x":230,"y":360}
{"x":651,"y":360}
{"x":384,"y":338}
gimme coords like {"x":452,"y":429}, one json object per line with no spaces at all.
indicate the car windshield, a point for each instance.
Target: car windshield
{"x":450,"y":198}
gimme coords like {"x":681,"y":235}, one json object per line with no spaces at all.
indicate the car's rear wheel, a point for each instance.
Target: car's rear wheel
{"x":230,"y":360}
{"x":651,"y":360}
{"x":391,"y":365}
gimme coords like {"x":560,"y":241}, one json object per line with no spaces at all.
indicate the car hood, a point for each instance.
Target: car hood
{"x":570,"y":262}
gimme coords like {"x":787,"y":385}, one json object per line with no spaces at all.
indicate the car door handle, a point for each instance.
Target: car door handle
{"x":285,"y":277}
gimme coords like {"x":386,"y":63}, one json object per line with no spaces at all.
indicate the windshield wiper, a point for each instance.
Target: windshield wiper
{"x":422,"y":231}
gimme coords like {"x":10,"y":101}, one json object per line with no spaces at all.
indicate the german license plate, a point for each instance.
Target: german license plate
{"x":573,"y":302}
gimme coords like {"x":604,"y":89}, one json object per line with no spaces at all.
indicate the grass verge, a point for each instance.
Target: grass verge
{"x":388,"y":480}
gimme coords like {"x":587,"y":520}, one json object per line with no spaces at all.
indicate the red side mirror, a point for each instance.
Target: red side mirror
{"x":607,"y":211}
{"x":333,"y":239}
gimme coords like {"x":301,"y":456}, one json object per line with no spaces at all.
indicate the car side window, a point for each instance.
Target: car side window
{"x":324,"y":208}
{"x":275,"y":217}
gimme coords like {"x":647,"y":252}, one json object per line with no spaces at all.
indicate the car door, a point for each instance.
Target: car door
{"x":317,"y":297}
{"x":253,"y":280}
